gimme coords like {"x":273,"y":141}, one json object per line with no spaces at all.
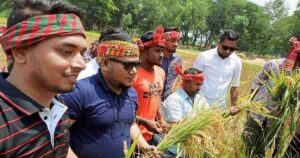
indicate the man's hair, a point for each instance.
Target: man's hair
{"x":171,"y":29}
{"x":147,"y":36}
{"x":24,"y":9}
{"x":229,"y":35}
{"x":192,"y":71}
{"x":114,"y":34}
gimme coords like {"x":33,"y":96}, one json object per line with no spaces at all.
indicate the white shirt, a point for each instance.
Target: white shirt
{"x":178,"y":105}
{"x":220,"y":75}
{"x":51,"y":117}
{"x":92,"y":68}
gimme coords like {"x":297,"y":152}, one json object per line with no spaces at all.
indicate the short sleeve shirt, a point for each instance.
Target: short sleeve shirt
{"x":23,"y":132}
{"x":149,"y":86}
{"x":103,"y":118}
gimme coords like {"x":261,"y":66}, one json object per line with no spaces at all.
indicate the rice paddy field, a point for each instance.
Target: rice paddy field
{"x":217,"y":128}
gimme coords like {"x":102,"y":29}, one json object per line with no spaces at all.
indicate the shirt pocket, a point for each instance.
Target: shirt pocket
{"x":228,"y":73}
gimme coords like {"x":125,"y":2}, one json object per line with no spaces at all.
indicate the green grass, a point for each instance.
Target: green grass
{"x":3,"y":21}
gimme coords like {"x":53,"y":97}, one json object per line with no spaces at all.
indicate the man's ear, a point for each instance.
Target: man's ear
{"x":104,"y":64}
{"x":19,"y":55}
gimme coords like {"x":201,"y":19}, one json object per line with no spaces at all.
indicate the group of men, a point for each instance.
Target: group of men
{"x":50,"y":93}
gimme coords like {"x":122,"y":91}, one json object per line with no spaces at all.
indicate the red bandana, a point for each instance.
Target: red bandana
{"x":291,"y":59}
{"x":192,"y":77}
{"x":173,"y":35}
{"x":158,"y":39}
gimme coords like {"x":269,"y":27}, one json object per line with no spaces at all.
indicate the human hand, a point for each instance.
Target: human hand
{"x":234,"y":110}
{"x":152,"y":150}
{"x":153,"y":126}
{"x":164,"y":125}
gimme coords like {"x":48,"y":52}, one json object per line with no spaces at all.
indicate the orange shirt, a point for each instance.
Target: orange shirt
{"x":149,"y":86}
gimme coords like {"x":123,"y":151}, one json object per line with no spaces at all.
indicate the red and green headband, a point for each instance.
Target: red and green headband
{"x":173,"y":35}
{"x":190,"y":77}
{"x":38,"y":28}
{"x":115,"y":48}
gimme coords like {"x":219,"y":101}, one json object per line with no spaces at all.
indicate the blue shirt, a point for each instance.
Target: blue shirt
{"x":178,"y":105}
{"x":168,"y":64}
{"x":103,"y":118}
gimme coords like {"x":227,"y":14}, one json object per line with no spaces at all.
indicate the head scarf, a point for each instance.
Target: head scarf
{"x":291,"y":59}
{"x":173,"y":35}
{"x":158,"y":39}
{"x":191,"y":77}
{"x":117,"y":48}
{"x":38,"y":28}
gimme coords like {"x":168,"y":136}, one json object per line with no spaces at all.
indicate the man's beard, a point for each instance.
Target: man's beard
{"x":54,"y":88}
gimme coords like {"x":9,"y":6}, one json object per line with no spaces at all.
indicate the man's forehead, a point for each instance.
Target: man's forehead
{"x":70,"y":41}
{"x":229,"y":42}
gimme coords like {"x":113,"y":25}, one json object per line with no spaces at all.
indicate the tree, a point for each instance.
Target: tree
{"x":97,"y":13}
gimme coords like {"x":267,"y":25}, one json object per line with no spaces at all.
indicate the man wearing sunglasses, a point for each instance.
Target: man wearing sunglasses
{"x":222,"y":70}
{"x":149,"y":83}
{"x":103,"y":106}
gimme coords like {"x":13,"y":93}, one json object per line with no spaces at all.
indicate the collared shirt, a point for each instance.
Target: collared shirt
{"x":52,"y":116}
{"x":103,"y":118}
{"x":220,"y":75}
{"x":92,"y":68}
{"x":178,"y":105}
{"x":23,"y":133}
{"x":168,"y":64}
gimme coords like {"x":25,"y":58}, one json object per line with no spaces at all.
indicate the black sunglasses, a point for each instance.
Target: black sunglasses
{"x":128,"y":65}
{"x":231,"y":49}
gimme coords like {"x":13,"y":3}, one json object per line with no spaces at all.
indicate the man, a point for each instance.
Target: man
{"x":222,"y":71}
{"x":179,"y":104}
{"x":46,"y":43}
{"x":91,"y":53}
{"x":256,"y":124}
{"x":149,"y":83}
{"x":170,"y":57}
{"x":103,"y":106}
{"x":289,"y":64}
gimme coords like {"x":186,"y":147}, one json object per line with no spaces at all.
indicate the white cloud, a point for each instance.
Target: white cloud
{"x":291,"y":4}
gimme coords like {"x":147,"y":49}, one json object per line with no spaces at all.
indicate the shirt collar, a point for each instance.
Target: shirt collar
{"x":16,"y":98}
{"x":183,"y":93}
{"x":171,"y":56}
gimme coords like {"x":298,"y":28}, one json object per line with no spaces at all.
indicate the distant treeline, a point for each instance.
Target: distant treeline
{"x":264,"y":30}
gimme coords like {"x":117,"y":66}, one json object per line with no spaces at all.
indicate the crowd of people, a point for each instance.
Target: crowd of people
{"x":61,"y":98}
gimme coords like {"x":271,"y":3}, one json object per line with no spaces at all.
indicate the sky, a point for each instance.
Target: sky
{"x":291,"y":4}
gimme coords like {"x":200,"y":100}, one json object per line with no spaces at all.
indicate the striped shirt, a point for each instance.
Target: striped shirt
{"x":23,"y":133}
